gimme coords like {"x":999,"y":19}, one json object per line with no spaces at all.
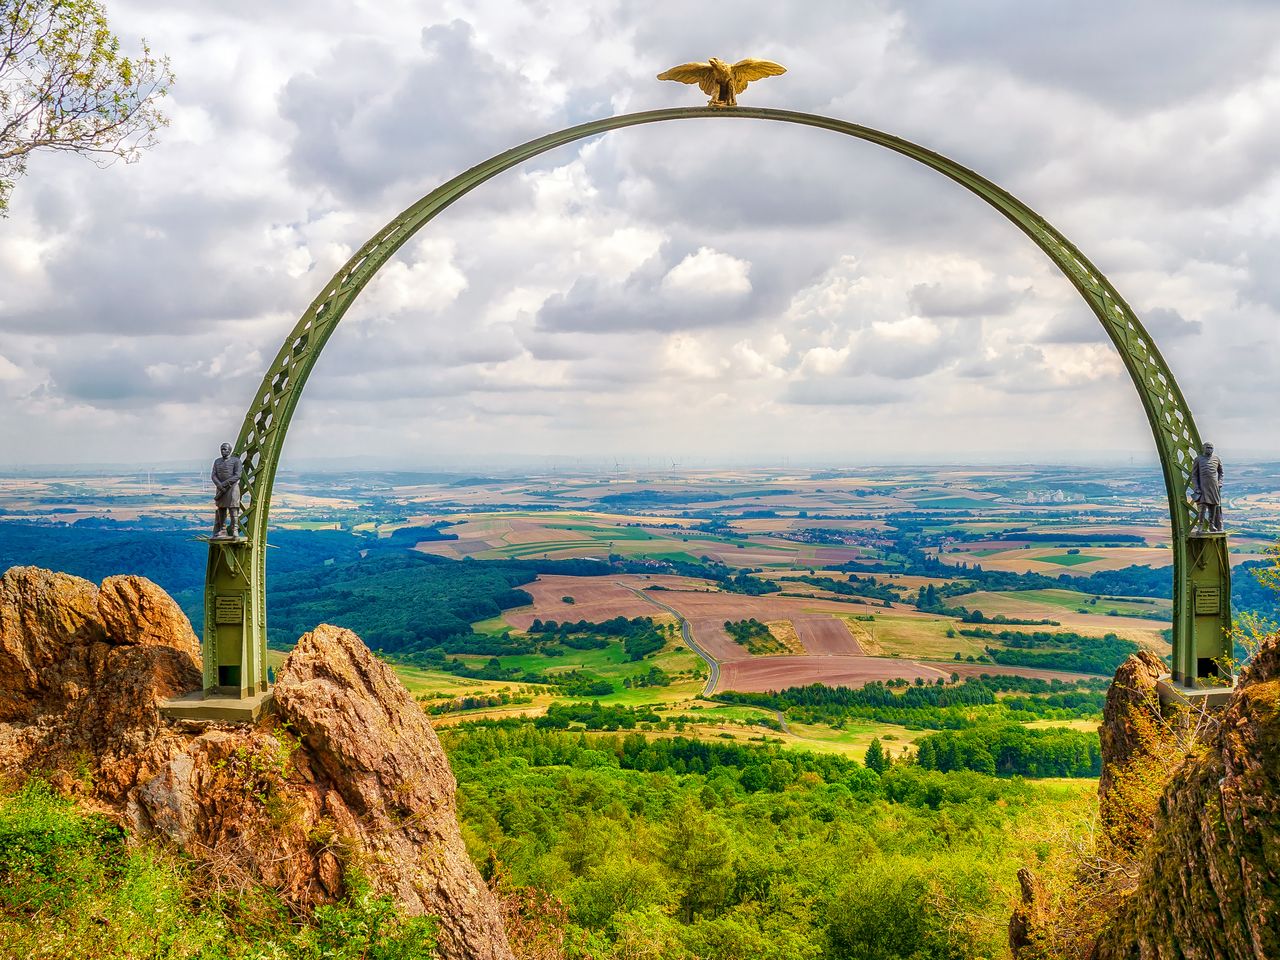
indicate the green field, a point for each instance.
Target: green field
{"x":1068,"y":559}
{"x":1073,"y":600}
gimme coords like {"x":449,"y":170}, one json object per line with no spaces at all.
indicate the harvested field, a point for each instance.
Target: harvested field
{"x":817,"y":622}
{"x":723,"y":606}
{"x":522,"y":532}
{"x":785,"y":631}
{"x":1049,"y":560}
{"x":869,"y":645}
{"x":595,"y":599}
{"x":837,"y":554}
{"x":710,"y":635}
{"x":762,"y":674}
{"x":1047,"y":605}
{"x":827,"y":637}
{"x":911,"y":581}
{"x":452,"y":549}
{"x":918,"y":635}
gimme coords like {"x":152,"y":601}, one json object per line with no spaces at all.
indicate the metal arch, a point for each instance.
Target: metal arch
{"x":239,"y":568}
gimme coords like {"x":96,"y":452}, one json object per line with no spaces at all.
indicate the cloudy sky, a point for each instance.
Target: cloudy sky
{"x":702,"y":290}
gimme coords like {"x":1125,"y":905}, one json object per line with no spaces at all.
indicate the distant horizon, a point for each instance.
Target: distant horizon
{"x":591,"y":466}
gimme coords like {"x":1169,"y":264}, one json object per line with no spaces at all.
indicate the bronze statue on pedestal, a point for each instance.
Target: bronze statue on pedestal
{"x":226,"y":496}
{"x":1206,"y":475}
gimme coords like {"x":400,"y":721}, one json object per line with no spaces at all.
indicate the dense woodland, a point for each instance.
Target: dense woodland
{"x":1007,"y":749}
{"x":679,"y":849}
{"x":1056,"y":651}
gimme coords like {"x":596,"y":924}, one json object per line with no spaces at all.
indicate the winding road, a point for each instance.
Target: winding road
{"x":686,"y":631}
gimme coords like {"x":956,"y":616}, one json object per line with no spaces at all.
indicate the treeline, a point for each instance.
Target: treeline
{"x":475,"y":702}
{"x":729,"y":579}
{"x":656,"y":677}
{"x":910,"y":557}
{"x":593,"y":716}
{"x":855,"y":586}
{"x":1010,"y":749}
{"x":763,"y":767}
{"x":1065,"y":651}
{"x":938,"y":706}
{"x":1064,"y":539}
{"x":929,"y":598}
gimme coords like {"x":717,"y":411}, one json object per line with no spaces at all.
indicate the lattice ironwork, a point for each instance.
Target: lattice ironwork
{"x":262,"y":434}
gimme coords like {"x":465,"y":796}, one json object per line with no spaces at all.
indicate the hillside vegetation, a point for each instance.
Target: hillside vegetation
{"x":676,"y":850}
{"x":73,"y":884}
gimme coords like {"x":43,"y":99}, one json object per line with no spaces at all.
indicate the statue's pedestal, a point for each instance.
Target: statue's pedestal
{"x":1172,"y":693}
{"x":219,"y":707}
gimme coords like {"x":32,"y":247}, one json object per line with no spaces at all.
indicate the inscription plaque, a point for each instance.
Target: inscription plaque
{"x":1208,"y":601}
{"x":228,"y":610}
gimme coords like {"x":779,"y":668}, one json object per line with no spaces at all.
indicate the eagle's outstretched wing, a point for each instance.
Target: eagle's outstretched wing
{"x":703,"y":74}
{"x":744,"y":71}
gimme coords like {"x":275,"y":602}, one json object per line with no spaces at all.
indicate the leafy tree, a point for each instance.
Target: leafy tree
{"x":65,"y":85}
{"x":888,"y":911}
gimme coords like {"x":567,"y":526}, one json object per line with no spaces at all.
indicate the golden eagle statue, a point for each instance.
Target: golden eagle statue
{"x":721,"y":81}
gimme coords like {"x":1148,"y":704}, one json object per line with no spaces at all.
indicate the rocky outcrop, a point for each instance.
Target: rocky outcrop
{"x":1132,"y":695}
{"x":80,"y":674}
{"x":347,"y":775}
{"x":1209,"y":881}
{"x":1135,"y":754}
{"x":1188,"y":859}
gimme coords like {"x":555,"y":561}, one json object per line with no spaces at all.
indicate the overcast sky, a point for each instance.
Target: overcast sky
{"x":699,"y":290}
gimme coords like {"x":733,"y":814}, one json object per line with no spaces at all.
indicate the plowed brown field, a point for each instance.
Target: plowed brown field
{"x":761,"y":674}
{"x":594,"y":598}
{"x":996,"y":670}
{"x":826,"y":637}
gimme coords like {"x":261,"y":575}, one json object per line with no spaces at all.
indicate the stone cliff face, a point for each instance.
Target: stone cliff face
{"x":347,"y":775}
{"x":1209,"y":879}
{"x":1188,"y":859}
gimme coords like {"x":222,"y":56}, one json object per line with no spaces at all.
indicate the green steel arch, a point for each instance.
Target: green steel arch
{"x":235,"y":592}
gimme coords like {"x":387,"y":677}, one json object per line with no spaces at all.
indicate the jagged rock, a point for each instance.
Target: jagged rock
{"x":82,"y":669}
{"x":1028,"y":916}
{"x":370,"y":741}
{"x":1209,"y":881}
{"x":43,"y":616}
{"x":348,"y":775}
{"x":1130,"y":740}
{"x":1132,"y":691}
{"x":134,"y":610}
